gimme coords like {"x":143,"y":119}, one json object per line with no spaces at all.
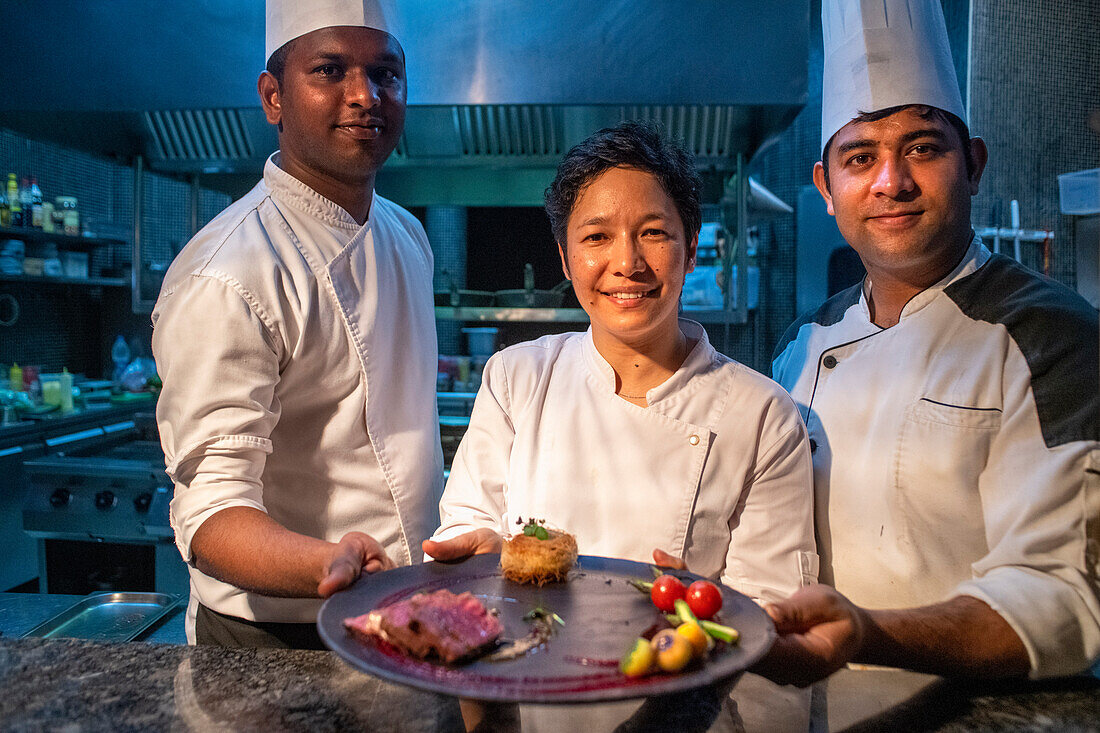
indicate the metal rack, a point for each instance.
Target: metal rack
{"x":65,"y":241}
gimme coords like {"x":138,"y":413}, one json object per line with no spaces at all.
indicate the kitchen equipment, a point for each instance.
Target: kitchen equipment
{"x":108,"y":617}
{"x":455,"y":297}
{"x":529,"y":297}
{"x":98,"y":508}
{"x":603,"y":614}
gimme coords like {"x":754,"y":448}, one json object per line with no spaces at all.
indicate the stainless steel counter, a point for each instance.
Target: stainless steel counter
{"x":21,"y":612}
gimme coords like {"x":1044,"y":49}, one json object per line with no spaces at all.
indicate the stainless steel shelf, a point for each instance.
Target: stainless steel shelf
{"x":716,"y":315}
{"x":544,"y":315}
{"x":28,"y":234}
{"x":107,"y":282}
{"x":566,"y":315}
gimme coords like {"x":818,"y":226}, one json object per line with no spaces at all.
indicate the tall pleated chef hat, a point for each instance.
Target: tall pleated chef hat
{"x":881,"y":54}
{"x":289,"y":19}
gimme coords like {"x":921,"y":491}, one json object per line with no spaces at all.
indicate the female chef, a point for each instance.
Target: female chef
{"x":635,"y":434}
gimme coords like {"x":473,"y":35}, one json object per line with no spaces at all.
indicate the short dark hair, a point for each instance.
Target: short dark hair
{"x":276,"y":65}
{"x":636,"y":145}
{"x":925,"y":112}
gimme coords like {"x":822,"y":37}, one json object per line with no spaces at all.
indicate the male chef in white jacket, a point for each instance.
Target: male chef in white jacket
{"x":295,"y":336}
{"x":951,"y":398}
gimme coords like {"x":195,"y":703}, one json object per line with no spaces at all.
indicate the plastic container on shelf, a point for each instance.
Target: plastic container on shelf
{"x":51,"y":390}
{"x":1079,"y":192}
{"x":70,"y":216}
{"x":75,"y":264}
{"x":701,"y":288}
{"x":15,"y":378}
{"x":482,"y":340}
{"x":12,"y":254}
{"x":51,"y":260}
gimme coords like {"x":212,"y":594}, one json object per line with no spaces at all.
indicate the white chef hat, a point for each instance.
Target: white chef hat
{"x":881,"y":54}
{"x":288,"y":19}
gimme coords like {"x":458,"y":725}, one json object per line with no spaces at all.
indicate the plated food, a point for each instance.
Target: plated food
{"x":690,"y":633}
{"x":538,"y":554}
{"x":440,"y":625}
{"x":578,"y":662}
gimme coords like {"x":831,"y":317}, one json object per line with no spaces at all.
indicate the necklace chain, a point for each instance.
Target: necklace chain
{"x":632,"y":396}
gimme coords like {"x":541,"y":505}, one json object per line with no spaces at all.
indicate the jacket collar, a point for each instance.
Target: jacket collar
{"x":292,"y":192}
{"x":698,"y":360}
{"x":976,"y":256}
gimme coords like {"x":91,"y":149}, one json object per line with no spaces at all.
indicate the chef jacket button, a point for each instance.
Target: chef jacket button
{"x":829,"y":361}
{"x":813,"y":445}
{"x":694,"y":440}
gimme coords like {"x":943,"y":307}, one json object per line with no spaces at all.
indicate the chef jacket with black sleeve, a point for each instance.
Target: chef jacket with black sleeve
{"x":715,"y":470}
{"x":956,"y":452}
{"x":297,"y":350}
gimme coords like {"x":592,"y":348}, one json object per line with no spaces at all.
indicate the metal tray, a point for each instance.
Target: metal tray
{"x":107,"y":617}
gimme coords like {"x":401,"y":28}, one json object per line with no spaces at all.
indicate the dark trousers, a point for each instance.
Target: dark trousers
{"x":218,"y":629}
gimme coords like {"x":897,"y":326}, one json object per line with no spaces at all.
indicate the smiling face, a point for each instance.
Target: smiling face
{"x":341,"y":107}
{"x":900,"y":192}
{"x":627,"y":255}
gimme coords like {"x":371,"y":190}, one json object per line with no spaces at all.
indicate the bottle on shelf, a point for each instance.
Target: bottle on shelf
{"x":5,"y":211}
{"x":14,"y":205}
{"x":25,"y":199}
{"x":15,"y":378}
{"x":36,"y":203}
{"x":66,"y":388}
{"x":120,"y":355}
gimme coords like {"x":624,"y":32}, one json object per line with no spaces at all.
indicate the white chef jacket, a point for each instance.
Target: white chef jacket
{"x":956,"y":452}
{"x":297,"y":350}
{"x":715,"y":470}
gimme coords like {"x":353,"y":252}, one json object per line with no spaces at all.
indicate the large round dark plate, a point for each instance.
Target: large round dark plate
{"x":603,"y":614}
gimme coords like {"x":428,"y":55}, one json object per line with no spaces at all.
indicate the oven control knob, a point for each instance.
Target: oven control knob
{"x":143,"y":501}
{"x":60,"y":498}
{"x":104,"y":500}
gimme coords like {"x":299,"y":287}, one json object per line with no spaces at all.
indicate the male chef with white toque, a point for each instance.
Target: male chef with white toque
{"x":295,"y":337}
{"x":951,"y":398}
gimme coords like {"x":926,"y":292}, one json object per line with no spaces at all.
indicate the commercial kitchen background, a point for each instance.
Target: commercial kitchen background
{"x":1029,"y":71}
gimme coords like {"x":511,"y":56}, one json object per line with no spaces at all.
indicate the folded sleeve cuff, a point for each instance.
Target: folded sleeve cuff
{"x":1058,"y":620}
{"x":225,"y":474}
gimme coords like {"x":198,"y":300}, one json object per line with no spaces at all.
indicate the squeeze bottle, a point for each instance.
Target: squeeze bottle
{"x":66,"y":386}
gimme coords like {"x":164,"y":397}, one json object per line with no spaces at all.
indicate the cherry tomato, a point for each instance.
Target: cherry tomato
{"x":703,"y":598}
{"x":666,"y":589}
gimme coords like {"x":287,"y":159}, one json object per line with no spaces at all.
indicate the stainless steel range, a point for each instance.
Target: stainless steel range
{"x":98,"y":507}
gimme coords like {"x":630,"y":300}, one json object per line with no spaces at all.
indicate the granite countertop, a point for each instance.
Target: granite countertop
{"x":55,"y":684}
{"x":49,"y":684}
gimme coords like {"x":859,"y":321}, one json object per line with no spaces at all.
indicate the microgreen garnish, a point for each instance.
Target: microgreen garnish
{"x":534,"y":528}
{"x":543,"y":613}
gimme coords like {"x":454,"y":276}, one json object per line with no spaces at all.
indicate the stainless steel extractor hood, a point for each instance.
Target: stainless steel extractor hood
{"x":498,"y":89}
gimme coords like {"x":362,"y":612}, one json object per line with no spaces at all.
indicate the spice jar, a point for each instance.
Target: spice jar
{"x":70,"y":217}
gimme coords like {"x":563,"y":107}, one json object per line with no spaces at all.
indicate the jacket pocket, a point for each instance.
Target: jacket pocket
{"x":941,"y":453}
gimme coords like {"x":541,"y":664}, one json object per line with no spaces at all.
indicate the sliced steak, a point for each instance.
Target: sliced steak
{"x":440,"y":624}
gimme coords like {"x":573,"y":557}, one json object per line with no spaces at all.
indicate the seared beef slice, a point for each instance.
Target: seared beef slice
{"x":448,"y":626}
